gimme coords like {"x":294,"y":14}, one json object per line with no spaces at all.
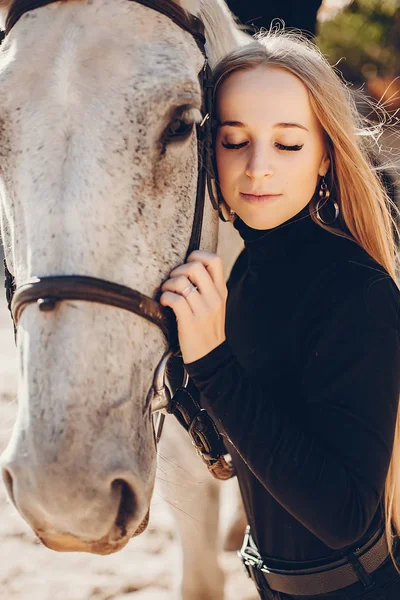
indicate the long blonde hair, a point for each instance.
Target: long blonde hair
{"x":365,"y":207}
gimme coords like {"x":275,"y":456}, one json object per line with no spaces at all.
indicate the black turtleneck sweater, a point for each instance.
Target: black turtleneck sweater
{"x":305,"y":388}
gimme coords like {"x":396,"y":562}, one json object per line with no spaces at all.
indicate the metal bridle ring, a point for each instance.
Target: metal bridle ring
{"x":161,"y":394}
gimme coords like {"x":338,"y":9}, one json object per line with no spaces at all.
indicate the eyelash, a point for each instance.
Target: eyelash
{"x":279,"y":146}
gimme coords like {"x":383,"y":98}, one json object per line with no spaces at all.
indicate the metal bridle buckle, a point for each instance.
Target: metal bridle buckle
{"x":199,"y":424}
{"x":249,"y":556}
{"x":161,"y":394}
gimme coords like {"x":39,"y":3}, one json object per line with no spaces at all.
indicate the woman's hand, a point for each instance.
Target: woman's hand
{"x":197,"y":293}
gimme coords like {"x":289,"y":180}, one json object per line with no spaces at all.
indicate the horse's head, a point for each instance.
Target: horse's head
{"x":98,"y":173}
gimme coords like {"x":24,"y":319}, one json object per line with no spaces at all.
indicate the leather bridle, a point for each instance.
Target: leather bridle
{"x":46,"y":292}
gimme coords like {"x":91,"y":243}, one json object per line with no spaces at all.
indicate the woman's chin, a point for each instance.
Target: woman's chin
{"x":261,"y":221}
{"x":266,"y":215}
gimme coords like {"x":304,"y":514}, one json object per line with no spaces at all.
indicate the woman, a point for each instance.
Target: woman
{"x":302,"y":374}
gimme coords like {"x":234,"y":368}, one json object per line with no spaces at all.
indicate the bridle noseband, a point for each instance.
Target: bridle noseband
{"x":46,"y":292}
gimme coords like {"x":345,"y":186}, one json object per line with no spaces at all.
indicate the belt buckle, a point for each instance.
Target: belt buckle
{"x":248,"y":556}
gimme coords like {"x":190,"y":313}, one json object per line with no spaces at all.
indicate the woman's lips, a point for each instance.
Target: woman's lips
{"x":259,"y":199}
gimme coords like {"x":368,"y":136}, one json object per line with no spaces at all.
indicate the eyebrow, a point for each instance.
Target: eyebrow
{"x":276,"y":126}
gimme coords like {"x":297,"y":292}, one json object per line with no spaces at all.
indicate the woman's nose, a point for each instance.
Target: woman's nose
{"x":259,"y":163}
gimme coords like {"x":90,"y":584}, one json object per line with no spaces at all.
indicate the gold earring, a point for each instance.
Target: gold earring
{"x":324,"y":195}
{"x":222,"y":209}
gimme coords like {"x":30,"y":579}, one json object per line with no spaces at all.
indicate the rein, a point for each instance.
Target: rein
{"x":46,"y":292}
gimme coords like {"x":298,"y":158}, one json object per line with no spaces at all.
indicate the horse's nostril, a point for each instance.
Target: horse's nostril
{"x":127,"y":507}
{"x":8,"y":482}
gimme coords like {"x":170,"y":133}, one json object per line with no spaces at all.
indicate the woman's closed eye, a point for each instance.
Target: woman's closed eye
{"x":294,"y":148}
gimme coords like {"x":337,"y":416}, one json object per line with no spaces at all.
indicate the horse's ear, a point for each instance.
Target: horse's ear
{"x":4,"y":8}
{"x":222,"y":29}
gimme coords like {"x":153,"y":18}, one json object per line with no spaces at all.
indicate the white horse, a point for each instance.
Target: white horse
{"x":91,"y":184}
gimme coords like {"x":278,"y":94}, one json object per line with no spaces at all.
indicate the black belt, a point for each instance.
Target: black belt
{"x":353,"y":567}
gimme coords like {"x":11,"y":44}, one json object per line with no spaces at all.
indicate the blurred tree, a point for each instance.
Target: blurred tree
{"x":365,"y":39}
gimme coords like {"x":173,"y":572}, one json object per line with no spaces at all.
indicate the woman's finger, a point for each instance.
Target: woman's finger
{"x":213,"y":265}
{"x":183,"y":286}
{"x":197,"y":274}
{"x":178,"y":304}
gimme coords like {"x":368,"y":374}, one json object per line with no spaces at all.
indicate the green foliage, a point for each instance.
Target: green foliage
{"x":365,"y":38}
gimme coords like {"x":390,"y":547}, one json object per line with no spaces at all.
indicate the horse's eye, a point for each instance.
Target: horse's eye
{"x":178,"y":129}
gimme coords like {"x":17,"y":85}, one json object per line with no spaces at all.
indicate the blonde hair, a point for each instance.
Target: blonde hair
{"x":365,"y":208}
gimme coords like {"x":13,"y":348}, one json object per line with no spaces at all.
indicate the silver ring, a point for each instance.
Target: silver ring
{"x":189,"y":287}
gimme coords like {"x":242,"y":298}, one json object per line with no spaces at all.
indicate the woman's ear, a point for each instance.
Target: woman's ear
{"x":324,"y":165}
